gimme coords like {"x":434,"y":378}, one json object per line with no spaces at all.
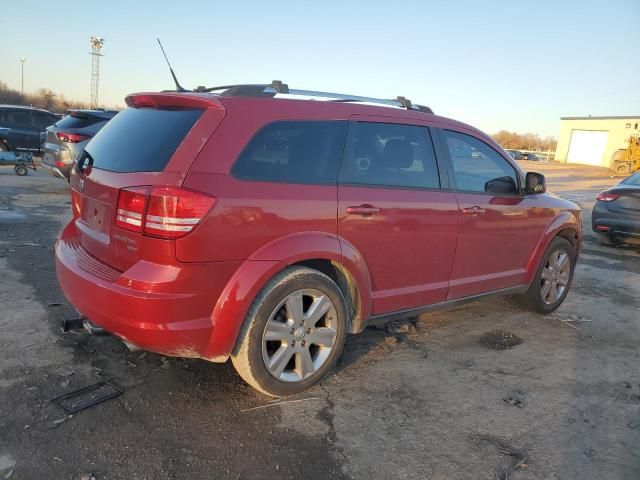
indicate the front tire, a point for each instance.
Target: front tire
{"x":293,"y":334}
{"x":553,"y":278}
{"x":20,"y":170}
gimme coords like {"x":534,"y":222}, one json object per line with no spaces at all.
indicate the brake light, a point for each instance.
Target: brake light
{"x":131,"y":206}
{"x":174,"y":212}
{"x":58,"y":163}
{"x":166,"y":212}
{"x":607,"y":196}
{"x":71,"y":137}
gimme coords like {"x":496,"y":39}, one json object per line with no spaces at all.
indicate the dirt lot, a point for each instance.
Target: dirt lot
{"x":439,"y":404}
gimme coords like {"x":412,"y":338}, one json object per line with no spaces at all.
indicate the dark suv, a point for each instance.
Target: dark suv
{"x":21,"y":128}
{"x":254,"y":225}
{"x":66,"y":138}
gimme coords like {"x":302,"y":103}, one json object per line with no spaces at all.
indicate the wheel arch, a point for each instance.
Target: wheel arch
{"x":565,"y":225}
{"x":319,"y":250}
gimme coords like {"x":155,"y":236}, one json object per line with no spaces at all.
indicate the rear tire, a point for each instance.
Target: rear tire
{"x":20,"y":170}
{"x":293,"y":333}
{"x":605,"y":240}
{"x":553,"y":278}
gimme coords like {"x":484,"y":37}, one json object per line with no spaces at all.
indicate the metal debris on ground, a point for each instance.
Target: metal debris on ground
{"x":274,"y":404}
{"x":87,"y":397}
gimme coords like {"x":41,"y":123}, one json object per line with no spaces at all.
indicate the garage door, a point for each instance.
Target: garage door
{"x":587,"y":146}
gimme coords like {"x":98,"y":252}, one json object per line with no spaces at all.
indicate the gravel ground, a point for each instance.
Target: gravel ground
{"x":479,"y":391}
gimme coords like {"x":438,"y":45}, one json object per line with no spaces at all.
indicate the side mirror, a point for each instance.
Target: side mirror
{"x":535,"y":183}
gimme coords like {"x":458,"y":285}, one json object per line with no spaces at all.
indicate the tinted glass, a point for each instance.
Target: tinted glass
{"x":18,"y":118}
{"x":43,"y":120}
{"x":389,"y":154}
{"x":477,"y":167}
{"x":77,"y":121}
{"x":632,"y":180}
{"x":293,"y":152}
{"x":140,"y":139}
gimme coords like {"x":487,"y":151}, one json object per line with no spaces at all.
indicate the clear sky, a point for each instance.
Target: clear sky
{"x":515,"y":65}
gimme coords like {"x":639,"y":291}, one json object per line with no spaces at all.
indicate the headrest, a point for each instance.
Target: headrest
{"x":398,"y":153}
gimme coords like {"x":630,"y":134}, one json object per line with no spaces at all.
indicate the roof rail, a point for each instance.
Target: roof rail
{"x":276,"y":87}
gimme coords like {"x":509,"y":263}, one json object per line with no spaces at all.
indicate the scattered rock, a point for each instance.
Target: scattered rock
{"x":499,"y":340}
{"x":589,"y":453}
{"x":391,"y":341}
{"x":633,"y":424}
{"x":515,"y":399}
{"x":403,"y":327}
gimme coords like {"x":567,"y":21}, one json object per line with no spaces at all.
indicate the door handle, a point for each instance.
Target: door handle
{"x":364,"y":210}
{"x":473,"y":211}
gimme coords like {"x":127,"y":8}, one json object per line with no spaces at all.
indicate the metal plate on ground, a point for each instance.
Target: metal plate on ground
{"x":87,"y":397}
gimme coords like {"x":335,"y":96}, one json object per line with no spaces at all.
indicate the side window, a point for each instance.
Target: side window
{"x":43,"y":120}
{"x":19,"y":118}
{"x":293,"y":152}
{"x":477,"y":167}
{"x":388,"y":154}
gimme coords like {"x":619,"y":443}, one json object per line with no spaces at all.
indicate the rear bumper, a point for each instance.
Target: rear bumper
{"x":620,"y":225}
{"x":160,"y":308}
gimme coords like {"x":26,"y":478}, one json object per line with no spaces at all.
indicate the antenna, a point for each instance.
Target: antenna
{"x":175,"y":79}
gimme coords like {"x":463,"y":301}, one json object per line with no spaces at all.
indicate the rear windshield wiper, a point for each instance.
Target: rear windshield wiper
{"x":81,"y":162}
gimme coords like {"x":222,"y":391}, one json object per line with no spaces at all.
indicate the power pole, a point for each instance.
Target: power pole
{"x":22,"y":60}
{"x":96,"y":47}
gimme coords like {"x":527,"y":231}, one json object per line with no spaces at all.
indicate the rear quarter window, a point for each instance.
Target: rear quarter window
{"x":140,"y":139}
{"x":306,"y":152}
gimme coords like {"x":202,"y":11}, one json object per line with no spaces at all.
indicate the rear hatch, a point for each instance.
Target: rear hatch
{"x":134,"y":167}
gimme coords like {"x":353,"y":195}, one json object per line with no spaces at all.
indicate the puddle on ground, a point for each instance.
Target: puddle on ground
{"x":499,"y":340}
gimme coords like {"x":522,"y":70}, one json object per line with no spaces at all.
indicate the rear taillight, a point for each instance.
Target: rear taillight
{"x":174,"y":212}
{"x":607,"y":196}
{"x":166,"y":212}
{"x":131,"y":206}
{"x":58,"y":163}
{"x":71,"y":137}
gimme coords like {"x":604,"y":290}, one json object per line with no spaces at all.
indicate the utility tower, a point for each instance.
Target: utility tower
{"x":96,"y":47}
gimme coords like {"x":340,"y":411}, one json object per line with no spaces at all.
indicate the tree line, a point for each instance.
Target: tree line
{"x":43,"y":98}
{"x":525,"y":141}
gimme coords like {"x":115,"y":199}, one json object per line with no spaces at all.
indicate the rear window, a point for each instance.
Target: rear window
{"x":140,"y":139}
{"x":305,"y":152}
{"x":632,"y":180}
{"x":77,"y":121}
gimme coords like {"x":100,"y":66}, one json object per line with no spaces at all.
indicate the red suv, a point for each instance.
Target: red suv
{"x":260,"y":225}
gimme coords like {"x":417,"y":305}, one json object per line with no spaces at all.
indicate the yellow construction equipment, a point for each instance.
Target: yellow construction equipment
{"x":627,"y":160}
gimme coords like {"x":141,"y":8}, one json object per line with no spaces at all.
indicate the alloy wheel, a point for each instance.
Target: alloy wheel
{"x":299,"y":335}
{"x":555,"y":276}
